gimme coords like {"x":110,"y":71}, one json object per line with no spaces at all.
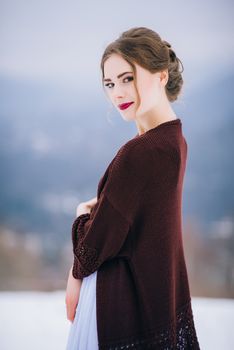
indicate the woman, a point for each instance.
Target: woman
{"x":129,"y":273}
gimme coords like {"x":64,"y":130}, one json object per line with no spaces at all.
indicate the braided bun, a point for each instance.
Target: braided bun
{"x":145,"y":47}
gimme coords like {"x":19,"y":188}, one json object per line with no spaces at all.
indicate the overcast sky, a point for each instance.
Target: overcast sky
{"x":64,"y":40}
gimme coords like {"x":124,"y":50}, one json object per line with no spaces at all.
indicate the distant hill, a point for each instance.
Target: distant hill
{"x":56,"y":143}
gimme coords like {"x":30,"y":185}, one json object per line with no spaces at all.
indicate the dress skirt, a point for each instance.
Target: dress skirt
{"x":83,"y":329}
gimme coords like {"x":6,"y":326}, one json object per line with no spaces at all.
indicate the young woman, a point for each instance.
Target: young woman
{"x":129,"y":273}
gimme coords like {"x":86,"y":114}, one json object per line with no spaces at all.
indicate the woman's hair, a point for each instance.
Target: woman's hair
{"x":146,"y":48}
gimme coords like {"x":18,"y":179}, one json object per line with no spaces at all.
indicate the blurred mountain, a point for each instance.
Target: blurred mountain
{"x":56,"y":142}
{"x":209,"y":130}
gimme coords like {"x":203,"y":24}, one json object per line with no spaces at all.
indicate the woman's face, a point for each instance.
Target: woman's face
{"x":121,"y":89}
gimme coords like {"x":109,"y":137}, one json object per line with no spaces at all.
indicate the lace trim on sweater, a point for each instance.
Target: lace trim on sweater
{"x":180,"y":337}
{"x":85,"y":257}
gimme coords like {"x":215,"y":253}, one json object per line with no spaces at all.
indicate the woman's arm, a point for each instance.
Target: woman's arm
{"x":72,"y":295}
{"x":73,"y":284}
{"x":100,"y":235}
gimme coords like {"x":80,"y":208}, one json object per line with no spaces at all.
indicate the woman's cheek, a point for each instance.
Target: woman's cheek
{"x":143,"y":105}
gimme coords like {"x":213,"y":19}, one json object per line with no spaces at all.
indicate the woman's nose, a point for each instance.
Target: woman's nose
{"x":118,"y":92}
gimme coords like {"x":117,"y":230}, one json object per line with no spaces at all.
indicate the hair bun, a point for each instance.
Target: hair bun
{"x":171,"y":52}
{"x":145,"y":47}
{"x":166,"y":43}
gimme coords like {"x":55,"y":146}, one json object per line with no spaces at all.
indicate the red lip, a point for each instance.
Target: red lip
{"x":125,"y":105}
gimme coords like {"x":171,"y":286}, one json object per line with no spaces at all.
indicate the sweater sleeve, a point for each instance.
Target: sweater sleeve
{"x":98,"y":236}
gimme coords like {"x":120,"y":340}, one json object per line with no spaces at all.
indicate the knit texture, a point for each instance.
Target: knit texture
{"x":133,"y":239}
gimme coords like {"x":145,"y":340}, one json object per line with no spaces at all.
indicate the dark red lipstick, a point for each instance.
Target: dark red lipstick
{"x":125,"y":105}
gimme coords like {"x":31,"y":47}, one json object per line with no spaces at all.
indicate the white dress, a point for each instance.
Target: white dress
{"x":83,"y":330}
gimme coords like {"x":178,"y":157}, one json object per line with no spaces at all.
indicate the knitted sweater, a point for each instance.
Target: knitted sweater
{"x":133,"y":238}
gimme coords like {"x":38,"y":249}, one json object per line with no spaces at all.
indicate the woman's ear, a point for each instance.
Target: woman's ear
{"x":164,"y":77}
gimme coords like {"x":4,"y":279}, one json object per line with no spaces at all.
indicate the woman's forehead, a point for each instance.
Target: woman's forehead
{"x":116,"y":65}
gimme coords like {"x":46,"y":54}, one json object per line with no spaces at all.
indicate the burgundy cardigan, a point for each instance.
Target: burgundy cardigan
{"x":133,"y":239}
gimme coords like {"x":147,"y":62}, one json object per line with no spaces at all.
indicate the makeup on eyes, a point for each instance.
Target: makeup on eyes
{"x":128,"y":77}
{"x":118,"y":76}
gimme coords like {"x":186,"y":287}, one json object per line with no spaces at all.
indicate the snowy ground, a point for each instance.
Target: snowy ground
{"x":37,"y":320}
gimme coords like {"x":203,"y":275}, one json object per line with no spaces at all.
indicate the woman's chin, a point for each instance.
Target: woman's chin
{"x":128,"y":116}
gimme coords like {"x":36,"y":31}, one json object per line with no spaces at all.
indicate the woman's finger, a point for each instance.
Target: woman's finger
{"x":71,"y":310}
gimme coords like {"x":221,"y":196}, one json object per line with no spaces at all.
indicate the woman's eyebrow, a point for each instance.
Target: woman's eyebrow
{"x":118,"y":76}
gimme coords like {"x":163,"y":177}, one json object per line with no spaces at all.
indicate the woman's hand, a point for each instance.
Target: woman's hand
{"x":85,"y":207}
{"x":73,"y":284}
{"x":72,"y":295}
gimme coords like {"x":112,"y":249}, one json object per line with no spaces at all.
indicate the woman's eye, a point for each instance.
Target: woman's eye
{"x":107,"y":85}
{"x":129,"y":79}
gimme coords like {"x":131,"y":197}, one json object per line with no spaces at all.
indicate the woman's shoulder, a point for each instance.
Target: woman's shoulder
{"x":131,"y":155}
{"x":139,"y":151}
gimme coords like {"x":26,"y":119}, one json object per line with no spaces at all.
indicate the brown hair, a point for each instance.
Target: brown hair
{"x":145,"y":47}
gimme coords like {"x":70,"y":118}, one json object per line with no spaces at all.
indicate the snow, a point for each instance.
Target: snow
{"x":37,"y":320}
{"x":33,"y":320}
